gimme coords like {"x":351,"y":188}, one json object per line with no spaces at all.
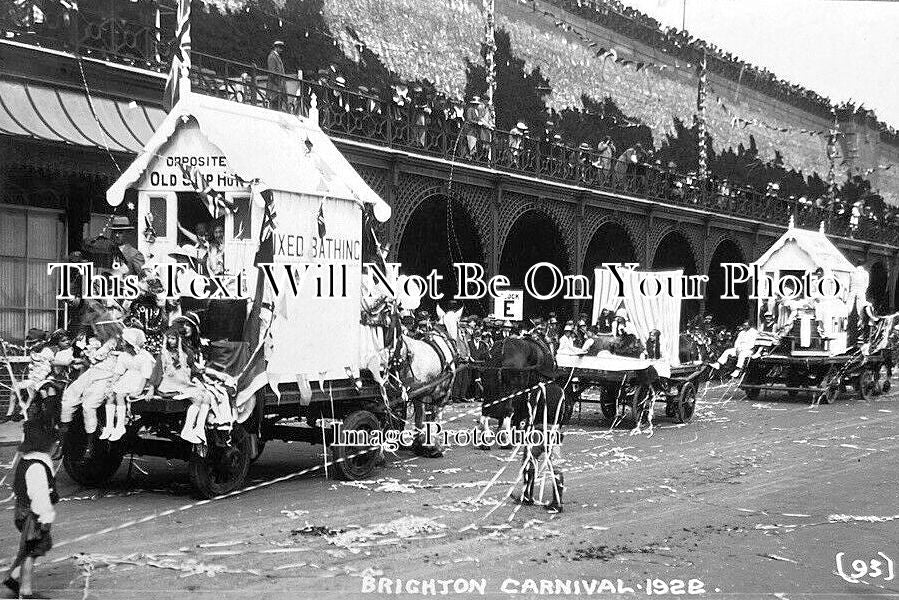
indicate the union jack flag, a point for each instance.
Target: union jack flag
{"x":256,"y":331}
{"x":215,"y":201}
{"x":266,"y":251}
{"x":179,"y":74}
{"x":322,"y":229}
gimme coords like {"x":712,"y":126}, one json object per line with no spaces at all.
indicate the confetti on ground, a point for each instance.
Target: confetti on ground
{"x":780,"y":558}
{"x":310,"y":529}
{"x":860,"y":519}
{"x":293,"y":566}
{"x":294,"y":514}
{"x":187,"y":566}
{"x":403,"y":528}
{"x":221,"y":544}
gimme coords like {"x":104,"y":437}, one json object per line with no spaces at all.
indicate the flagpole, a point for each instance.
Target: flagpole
{"x":184,"y":82}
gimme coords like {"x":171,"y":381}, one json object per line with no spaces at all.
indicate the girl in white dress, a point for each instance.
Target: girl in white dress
{"x":133,"y":368}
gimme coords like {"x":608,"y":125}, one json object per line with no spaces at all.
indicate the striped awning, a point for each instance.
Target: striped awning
{"x":71,"y":117}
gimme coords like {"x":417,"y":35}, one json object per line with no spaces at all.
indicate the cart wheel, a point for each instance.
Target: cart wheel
{"x":100,"y":467}
{"x":224,"y":468}
{"x":642,"y":395}
{"x":830,"y":394}
{"x":752,"y":394}
{"x":608,"y":405}
{"x":356,"y":462}
{"x":686,"y":403}
{"x":866,"y":384}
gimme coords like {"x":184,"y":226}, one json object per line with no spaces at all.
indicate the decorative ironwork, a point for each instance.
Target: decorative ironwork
{"x":114,"y":36}
{"x":442,"y":132}
{"x":438,"y":130}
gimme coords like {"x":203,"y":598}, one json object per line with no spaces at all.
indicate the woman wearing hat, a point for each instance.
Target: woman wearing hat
{"x":133,"y":368}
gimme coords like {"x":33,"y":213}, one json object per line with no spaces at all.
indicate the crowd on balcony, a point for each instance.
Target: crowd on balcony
{"x":550,"y":83}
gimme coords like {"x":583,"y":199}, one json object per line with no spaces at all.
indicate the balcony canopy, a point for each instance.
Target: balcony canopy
{"x":69,"y":117}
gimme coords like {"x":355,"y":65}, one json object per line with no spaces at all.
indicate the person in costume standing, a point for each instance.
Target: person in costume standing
{"x":34,"y":486}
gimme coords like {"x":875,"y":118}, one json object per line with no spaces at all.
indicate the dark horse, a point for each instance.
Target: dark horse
{"x":513,"y":365}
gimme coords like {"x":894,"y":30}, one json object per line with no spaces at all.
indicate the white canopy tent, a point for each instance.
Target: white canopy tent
{"x":805,"y":250}
{"x":801,"y":251}
{"x":280,"y":151}
{"x":242,"y":153}
{"x":646,"y":310}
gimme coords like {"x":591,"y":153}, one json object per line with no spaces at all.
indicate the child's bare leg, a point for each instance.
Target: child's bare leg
{"x":120,"y":414}
{"x":26,"y":576}
{"x":109,"y":424}
{"x":13,"y":400}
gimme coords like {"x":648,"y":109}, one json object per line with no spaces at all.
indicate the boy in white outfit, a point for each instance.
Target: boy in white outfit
{"x":743,"y":349}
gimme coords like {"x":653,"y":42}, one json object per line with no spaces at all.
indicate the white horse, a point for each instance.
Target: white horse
{"x":426,"y":370}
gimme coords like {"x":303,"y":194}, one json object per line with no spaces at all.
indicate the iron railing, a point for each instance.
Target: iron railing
{"x":437,"y":129}
{"x":111,"y":36}
{"x":440,"y":130}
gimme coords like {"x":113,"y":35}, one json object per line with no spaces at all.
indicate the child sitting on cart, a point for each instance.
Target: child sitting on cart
{"x":180,"y":373}
{"x":743,"y":348}
{"x":43,"y":360}
{"x":174,"y":373}
{"x":133,"y":368}
{"x":89,"y":389}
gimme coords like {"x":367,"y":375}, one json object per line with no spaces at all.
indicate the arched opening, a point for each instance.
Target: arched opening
{"x":877,"y":288}
{"x":533,"y":239}
{"x":726,"y":312}
{"x":674,"y":252}
{"x":438,"y":234}
{"x":610,"y":243}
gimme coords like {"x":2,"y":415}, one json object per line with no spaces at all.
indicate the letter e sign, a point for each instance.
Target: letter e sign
{"x":509,"y":305}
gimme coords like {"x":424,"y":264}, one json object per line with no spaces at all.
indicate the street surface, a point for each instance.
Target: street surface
{"x":750,"y":500}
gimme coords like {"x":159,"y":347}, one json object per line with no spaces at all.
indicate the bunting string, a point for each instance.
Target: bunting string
{"x":700,"y":109}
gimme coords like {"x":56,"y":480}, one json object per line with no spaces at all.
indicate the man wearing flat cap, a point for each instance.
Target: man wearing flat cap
{"x":277,"y":84}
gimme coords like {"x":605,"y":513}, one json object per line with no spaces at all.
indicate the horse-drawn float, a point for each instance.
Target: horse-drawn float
{"x":621,"y":373}
{"x":820,"y":334}
{"x":288,"y":351}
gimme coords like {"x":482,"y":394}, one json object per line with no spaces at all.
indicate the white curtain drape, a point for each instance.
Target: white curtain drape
{"x":605,"y":294}
{"x":656,"y":311}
